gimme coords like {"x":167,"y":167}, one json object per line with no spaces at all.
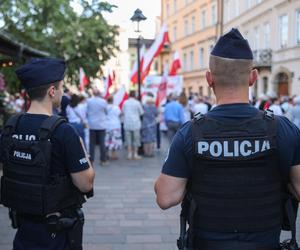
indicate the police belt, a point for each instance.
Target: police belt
{"x":201,"y":244}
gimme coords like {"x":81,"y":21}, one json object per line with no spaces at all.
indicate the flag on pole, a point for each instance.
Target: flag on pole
{"x":134,"y":72}
{"x":154,"y":50}
{"x":107,"y":84}
{"x":120,"y":96}
{"x":83,"y":80}
{"x":162,"y":88}
{"x":176,"y":64}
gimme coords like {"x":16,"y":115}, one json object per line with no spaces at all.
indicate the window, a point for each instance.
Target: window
{"x":191,"y":60}
{"x":184,"y":62}
{"x":267,"y":39}
{"x":201,"y":90}
{"x":283,"y":30}
{"x":174,"y":33}
{"x":175,"y":6}
{"x":203,"y":16}
{"x":193,"y":24}
{"x":209,"y":91}
{"x":298,"y":27}
{"x":201,"y":58}
{"x":213,"y":14}
{"x":236,"y":8}
{"x":248,"y":3}
{"x":186,"y":27}
{"x":211,"y":47}
{"x":256,"y":39}
{"x":168,"y":10}
{"x":265,"y":85}
{"x":186,"y":2}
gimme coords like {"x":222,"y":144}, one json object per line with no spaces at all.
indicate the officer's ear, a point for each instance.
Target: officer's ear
{"x":51,"y":91}
{"x":209,"y":78}
{"x":253,"y":77}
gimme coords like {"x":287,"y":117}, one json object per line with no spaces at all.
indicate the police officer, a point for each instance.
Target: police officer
{"x":229,"y":164}
{"x":46,"y":171}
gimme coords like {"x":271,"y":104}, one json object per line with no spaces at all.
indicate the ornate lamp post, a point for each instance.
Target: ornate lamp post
{"x":137,"y":17}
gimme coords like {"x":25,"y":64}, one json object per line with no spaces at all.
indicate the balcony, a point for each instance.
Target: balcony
{"x":262,"y":58}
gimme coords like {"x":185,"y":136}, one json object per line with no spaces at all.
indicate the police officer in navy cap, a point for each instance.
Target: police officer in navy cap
{"x":46,"y":171}
{"x":228,"y":168}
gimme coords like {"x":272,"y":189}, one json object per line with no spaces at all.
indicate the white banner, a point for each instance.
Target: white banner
{"x":174,"y":84}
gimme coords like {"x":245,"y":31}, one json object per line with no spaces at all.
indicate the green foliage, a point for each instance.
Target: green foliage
{"x":83,"y":39}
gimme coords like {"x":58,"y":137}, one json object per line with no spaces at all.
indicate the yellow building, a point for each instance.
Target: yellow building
{"x":194,"y":26}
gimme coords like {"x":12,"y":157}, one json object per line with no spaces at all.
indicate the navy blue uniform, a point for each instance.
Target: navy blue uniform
{"x":67,"y":157}
{"x":179,"y":161}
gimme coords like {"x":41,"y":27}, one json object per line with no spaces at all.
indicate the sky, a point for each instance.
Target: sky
{"x":121,"y":15}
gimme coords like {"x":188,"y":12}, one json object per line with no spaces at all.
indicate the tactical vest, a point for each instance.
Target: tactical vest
{"x":235,"y":182}
{"x":28,"y":185}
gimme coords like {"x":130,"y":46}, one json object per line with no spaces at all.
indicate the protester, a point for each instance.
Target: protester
{"x":97,"y":117}
{"x":132,"y":111}
{"x":74,"y":116}
{"x":173,"y":116}
{"x":149,"y":127}
{"x":113,"y":140}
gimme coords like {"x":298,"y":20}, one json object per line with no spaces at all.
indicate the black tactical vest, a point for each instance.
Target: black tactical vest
{"x":27,"y":184}
{"x":235,"y":182}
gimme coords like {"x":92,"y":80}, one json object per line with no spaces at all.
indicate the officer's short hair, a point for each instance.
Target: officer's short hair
{"x":39,"y":93}
{"x":227,"y":71}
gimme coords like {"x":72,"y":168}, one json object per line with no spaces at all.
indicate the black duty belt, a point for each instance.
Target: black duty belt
{"x":229,"y":245}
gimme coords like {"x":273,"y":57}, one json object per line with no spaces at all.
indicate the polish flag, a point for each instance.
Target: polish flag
{"x":83,"y":80}
{"x":176,"y":64}
{"x":120,"y":97}
{"x":107,"y":84}
{"x":162,"y":88}
{"x":154,"y":50}
{"x":134,"y":72}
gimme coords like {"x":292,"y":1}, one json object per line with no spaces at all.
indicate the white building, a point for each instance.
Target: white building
{"x":272,"y":28}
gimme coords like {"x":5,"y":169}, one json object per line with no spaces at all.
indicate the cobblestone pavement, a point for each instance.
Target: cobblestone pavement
{"x":123,"y":213}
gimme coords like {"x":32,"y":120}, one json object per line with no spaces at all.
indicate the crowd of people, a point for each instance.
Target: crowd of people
{"x":99,"y":121}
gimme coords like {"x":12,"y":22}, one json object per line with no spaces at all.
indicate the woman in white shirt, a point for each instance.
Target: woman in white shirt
{"x":113,"y":139}
{"x":73,"y":115}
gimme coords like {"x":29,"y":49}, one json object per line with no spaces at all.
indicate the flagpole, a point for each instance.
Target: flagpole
{"x":139,"y":69}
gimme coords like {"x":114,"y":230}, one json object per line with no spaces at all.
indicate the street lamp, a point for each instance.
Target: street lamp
{"x":137,"y":17}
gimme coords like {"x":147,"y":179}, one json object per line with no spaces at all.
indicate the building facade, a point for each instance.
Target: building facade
{"x":193,"y":26}
{"x":272,"y":28}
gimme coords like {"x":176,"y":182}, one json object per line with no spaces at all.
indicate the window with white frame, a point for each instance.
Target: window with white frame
{"x":186,"y":27}
{"x":191,"y":59}
{"x":214,"y":14}
{"x":236,"y":8}
{"x":174,"y":33}
{"x":298,"y":26}
{"x":203,"y":17}
{"x":193,"y":24}
{"x":248,"y":3}
{"x":184,"y":64}
{"x":186,"y":2}
{"x":175,"y":6}
{"x":201,"y":58}
{"x":256,"y":38}
{"x":283,"y":30}
{"x":267,"y":36}
{"x":168,"y":10}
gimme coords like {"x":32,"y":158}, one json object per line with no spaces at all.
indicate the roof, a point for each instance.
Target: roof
{"x":10,"y":47}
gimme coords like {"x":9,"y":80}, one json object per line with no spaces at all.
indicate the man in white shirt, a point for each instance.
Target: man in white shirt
{"x":132,"y":110}
{"x":96,"y":115}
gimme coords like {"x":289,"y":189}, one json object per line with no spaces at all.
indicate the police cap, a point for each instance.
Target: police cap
{"x":232,"y":45}
{"x":41,"y":71}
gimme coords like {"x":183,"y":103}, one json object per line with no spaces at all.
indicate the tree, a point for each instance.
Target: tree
{"x":83,"y":39}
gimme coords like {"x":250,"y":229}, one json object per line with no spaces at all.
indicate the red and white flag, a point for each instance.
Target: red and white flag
{"x":162,"y":88}
{"x":120,"y":97}
{"x":155,"y":49}
{"x":176,"y":64}
{"x":83,"y":80}
{"x":134,"y":72}
{"x":107,"y":84}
